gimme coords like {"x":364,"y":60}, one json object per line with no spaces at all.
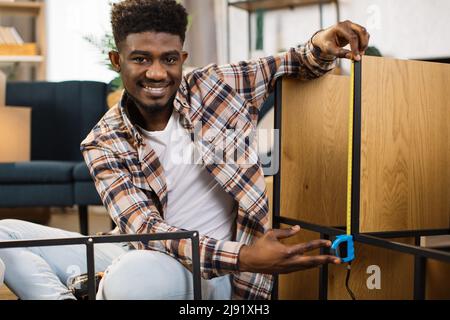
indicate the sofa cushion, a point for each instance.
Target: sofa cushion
{"x":81,"y":172}
{"x":36,"y":172}
{"x":36,"y":195}
{"x":85,"y":194}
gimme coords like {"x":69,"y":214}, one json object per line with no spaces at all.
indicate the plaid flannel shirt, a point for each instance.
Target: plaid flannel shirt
{"x":211,"y":101}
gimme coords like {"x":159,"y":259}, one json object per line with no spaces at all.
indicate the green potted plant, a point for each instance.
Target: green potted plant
{"x":106,"y":44}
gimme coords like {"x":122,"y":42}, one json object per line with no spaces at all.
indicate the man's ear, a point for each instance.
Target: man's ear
{"x":114,"y":57}
{"x":184,"y":56}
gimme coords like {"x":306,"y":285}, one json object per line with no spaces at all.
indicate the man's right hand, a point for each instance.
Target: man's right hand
{"x":268,"y":255}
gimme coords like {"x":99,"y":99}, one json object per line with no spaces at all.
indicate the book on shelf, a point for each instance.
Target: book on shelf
{"x":9,"y":35}
{"x":16,"y":36}
{"x":12,"y":44}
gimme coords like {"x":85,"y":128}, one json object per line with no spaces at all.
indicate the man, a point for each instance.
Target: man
{"x":177,"y":153}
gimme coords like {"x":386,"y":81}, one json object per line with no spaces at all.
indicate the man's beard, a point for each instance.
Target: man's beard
{"x":151,"y":108}
{"x":135,"y":108}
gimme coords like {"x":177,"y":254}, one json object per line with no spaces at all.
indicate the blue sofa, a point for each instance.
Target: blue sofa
{"x":63,"y":113}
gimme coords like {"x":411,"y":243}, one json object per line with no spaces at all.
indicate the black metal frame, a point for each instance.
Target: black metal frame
{"x":83,"y":219}
{"x":371,"y":238}
{"x":90,"y":241}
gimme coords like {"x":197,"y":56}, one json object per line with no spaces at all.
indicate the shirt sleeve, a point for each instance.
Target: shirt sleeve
{"x":255,"y":79}
{"x":134,"y":212}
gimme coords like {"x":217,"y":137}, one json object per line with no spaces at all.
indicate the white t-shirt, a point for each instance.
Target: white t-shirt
{"x":195,"y":200}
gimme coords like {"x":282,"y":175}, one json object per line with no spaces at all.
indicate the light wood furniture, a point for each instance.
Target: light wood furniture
{"x":405,"y":177}
{"x":18,"y":50}
{"x":405,"y":150}
{"x":313,"y":152}
{"x":36,"y":10}
{"x":15,"y":129}
{"x":15,"y":134}
{"x":437,"y":281}
{"x":269,"y":190}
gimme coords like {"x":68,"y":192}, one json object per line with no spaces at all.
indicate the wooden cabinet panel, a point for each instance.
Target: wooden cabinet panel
{"x":405,"y":152}
{"x":437,"y":280}
{"x":314,"y":149}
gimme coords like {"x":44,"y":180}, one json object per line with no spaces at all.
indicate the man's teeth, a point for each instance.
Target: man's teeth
{"x":155,"y":90}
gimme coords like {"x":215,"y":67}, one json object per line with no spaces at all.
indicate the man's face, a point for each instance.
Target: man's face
{"x":150,"y":65}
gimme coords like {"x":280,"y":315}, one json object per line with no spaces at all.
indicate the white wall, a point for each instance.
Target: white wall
{"x":405,"y":28}
{"x":70,"y":57}
{"x":399,"y":28}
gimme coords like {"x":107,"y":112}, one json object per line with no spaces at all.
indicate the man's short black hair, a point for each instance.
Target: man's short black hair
{"x":136,"y":16}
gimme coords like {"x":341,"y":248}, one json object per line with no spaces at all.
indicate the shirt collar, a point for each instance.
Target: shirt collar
{"x":124,"y":99}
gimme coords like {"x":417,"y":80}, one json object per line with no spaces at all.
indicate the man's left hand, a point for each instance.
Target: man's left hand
{"x":332,"y":41}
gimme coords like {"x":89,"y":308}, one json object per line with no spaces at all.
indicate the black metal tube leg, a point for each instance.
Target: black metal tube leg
{"x":196,"y":267}
{"x":277,"y":178}
{"x":419,"y":274}
{"x":91,"y":269}
{"x":83,"y":218}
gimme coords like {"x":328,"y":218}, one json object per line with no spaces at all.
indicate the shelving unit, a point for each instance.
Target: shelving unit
{"x":21,"y":58}
{"x":37,"y":11}
{"x":251,"y":6}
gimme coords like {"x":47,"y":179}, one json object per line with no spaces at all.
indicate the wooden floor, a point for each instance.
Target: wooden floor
{"x":67,"y":219}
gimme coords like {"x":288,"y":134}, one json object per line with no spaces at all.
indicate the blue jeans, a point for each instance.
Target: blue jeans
{"x":43,"y":272}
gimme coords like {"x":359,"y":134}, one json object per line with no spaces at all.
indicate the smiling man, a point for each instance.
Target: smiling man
{"x":216,"y":187}
{"x":152,"y":90}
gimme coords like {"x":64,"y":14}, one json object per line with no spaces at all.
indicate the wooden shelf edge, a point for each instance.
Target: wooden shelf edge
{"x":21,"y":58}
{"x":21,"y":5}
{"x":8,"y":8}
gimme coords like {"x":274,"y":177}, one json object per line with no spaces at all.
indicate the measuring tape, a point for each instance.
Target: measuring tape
{"x":350,"y":149}
{"x":343,"y":246}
